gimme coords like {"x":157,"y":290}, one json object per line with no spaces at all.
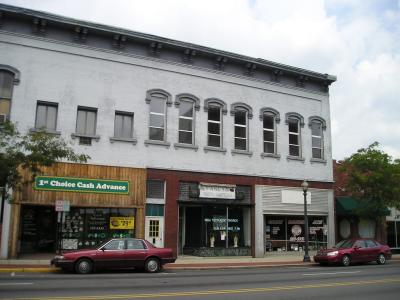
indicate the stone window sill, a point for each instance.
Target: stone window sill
{"x":271,"y":155}
{"x":215,"y":149}
{"x":157,"y":143}
{"x":241,"y":152}
{"x":186,"y":146}
{"x":318,"y":160}
{"x":78,"y":135}
{"x":133,"y":141}
{"x":298,"y":158}
{"x":49,"y":131}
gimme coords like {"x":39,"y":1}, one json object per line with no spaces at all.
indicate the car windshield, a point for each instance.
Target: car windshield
{"x":344,"y":244}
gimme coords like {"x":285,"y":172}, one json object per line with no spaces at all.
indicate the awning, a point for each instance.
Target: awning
{"x":347,"y":206}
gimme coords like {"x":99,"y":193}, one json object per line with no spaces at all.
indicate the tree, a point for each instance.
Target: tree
{"x":373,"y":179}
{"x":29,"y":151}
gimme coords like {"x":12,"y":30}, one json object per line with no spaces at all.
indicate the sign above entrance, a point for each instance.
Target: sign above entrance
{"x":83,"y":185}
{"x":220,"y":191}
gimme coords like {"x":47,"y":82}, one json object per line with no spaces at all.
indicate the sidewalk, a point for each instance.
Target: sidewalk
{"x":41,"y":264}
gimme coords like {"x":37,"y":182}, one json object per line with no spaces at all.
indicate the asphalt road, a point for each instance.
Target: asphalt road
{"x":369,"y":281}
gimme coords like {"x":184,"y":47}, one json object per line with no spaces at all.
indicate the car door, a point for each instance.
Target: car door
{"x":112,"y":254}
{"x":373,"y":250}
{"x":360,"y":251}
{"x":136,"y":253}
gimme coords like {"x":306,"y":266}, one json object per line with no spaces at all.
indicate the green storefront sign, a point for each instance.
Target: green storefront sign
{"x":83,"y":185}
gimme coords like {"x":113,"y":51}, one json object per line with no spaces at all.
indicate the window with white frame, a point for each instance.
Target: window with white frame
{"x":317,"y":126}
{"x":46,"y":116}
{"x":241,"y":130}
{"x":186,"y":122}
{"x":157,"y":124}
{"x":214,"y":126}
{"x":269,"y":133}
{"x":294,"y":137}
{"x":86,"y":125}
{"x":123,"y":125}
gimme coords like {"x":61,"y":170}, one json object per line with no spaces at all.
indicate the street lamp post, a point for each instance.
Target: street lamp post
{"x":304,"y":186}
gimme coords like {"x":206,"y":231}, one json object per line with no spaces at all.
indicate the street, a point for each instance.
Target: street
{"x":369,"y":281}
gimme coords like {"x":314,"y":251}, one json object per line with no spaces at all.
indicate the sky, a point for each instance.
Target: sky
{"x":356,"y":40}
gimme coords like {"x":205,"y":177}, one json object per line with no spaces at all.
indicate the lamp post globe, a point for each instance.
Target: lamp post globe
{"x":304,"y":186}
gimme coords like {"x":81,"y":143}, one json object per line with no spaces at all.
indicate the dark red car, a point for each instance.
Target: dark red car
{"x":116,"y":254}
{"x":354,"y":251}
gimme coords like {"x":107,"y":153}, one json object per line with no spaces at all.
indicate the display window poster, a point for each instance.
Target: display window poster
{"x":295,"y":230}
{"x":275,"y":229}
{"x":122,"y":222}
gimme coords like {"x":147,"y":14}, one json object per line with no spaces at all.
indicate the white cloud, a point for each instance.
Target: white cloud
{"x":356,"y":40}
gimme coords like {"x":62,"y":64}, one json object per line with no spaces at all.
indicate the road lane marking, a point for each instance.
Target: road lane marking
{"x":332,"y":273}
{"x":15,"y":283}
{"x":220,"y":292}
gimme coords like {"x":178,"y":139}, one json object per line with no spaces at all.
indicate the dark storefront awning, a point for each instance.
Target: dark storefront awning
{"x":347,"y":206}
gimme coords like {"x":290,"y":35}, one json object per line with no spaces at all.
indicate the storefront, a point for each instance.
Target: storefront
{"x":97,"y":203}
{"x":214,"y":219}
{"x":286,"y":233}
{"x":393,"y":230}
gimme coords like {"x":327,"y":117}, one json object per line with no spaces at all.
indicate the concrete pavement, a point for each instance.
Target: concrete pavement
{"x":42,"y":264}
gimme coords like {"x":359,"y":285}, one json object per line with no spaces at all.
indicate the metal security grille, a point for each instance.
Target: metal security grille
{"x":154,"y":228}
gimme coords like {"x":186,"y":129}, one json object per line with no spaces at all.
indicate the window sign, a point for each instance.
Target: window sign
{"x":221,"y":191}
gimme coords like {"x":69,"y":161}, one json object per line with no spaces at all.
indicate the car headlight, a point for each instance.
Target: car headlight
{"x":334,"y":253}
{"x":59,"y":257}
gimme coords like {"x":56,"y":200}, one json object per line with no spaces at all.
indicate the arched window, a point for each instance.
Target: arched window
{"x":215,"y":108}
{"x":8,"y":77}
{"x":187,"y":105}
{"x":294,"y":121}
{"x":241,"y":113}
{"x":317,"y":125}
{"x":158,"y":101}
{"x":270,"y":118}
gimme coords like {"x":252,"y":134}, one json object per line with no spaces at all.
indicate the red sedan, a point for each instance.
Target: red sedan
{"x":116,"y":254}
{"x":354,"y":251}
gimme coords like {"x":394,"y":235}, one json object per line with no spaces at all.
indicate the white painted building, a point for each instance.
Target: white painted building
{"x":133,"y":100}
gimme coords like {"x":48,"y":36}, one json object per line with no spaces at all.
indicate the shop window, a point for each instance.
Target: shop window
{"x":46,"y":116}
{"x":366,"y":228}
{"x":155,"y":189}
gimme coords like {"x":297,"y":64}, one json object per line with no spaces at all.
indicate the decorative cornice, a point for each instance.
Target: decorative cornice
{"x":276,"y":75}
{"x":240,"y":105}
{"x":80,"y":34}
{"x":215,"y":101}
{"x":1,"y":18}
{"x":191,"y":97}
{"x":296,"y":116}
{"x":155,"y":48}
{"x":300,"y":82}
{"x":270,"y":111}
{"x":318,"y":119}
{"x":188,"y":55}
{"x":250,"y":69}
{"x":119,"y":41}
{"x":12,"y":70}
{"x":39,"y":26}
{"x":219,"y":63}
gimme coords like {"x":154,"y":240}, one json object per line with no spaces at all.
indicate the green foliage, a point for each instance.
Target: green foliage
{"x":30,"y":151}
{"x":373,"y":178}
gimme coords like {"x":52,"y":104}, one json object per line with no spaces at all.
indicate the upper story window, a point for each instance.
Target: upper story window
{"x":155,"y":189}
{"x":86,"y":125}
{"x":215,"y":109}
{"x":46,"y":116}
{"x":295,"y":122}
{"x":158,"y":101}
{"x":242,"y":113}
{"x":317,"y":126}
{"x":186,"y":122}
{"x":8,"y":77}
{"x":123,"y":125}
{"x":269,"y":117}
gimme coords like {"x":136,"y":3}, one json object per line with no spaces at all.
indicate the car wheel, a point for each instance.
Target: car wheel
{"x":381,"y":259}
{"x":346,"y":260}
{"x":84,"y":266}
{"x":152,"y":265}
